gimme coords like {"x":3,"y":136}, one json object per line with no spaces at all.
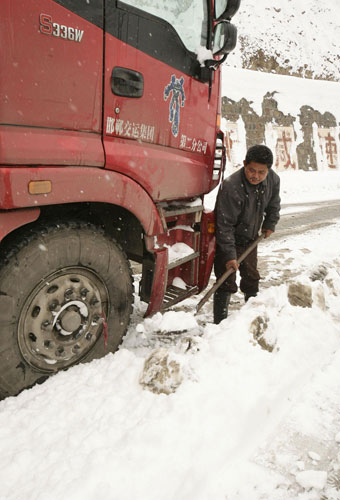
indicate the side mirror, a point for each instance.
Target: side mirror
{"x":226,"y":9}
{"x":225,"y":38}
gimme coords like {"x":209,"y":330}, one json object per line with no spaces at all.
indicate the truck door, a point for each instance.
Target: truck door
{"x":51,"y":82}
{"x":159,"y":118}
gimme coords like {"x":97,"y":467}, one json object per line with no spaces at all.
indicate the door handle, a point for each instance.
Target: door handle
{"x":127,"y":82}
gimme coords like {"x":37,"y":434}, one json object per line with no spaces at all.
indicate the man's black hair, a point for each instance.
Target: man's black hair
{"x":259,"y":154}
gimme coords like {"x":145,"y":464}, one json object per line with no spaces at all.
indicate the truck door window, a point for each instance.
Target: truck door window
{"x":188,"y":17}
{"x":220,"y":7}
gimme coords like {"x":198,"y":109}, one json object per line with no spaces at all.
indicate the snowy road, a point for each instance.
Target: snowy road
{"x":297,"y":218}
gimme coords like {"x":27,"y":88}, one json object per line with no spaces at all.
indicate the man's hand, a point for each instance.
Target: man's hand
{"x":267,"y":232}
{"x":232,"y":264}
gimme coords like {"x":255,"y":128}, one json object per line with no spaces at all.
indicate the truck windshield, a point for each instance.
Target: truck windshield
{"x":188,"y":17}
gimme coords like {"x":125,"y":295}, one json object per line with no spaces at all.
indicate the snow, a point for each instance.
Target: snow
{"x":302,"y":35}
{"x":290,"y":92}
{"x":314,"y":456}
{"x":312,"y":479}
{"x":167,"y":322}
{"x":303,"y":187}
{"x":183,"y":227}
{"x":178,"y":251}
{"x":233,"y":420}
{"x":179,"y":283}
{"x":203,"y":54}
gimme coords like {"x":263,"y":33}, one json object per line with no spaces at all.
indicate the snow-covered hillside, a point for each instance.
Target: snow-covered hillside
{"x":301,"y":37}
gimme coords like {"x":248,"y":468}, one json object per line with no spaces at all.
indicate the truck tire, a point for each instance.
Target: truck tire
{"x":66,"y":296}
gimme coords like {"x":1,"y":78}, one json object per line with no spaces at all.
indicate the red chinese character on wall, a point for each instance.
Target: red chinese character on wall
{"x":331,"y":151}
{"x":283,"y":148}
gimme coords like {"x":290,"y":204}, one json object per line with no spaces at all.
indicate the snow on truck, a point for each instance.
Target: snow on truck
{"x":109,"y":139}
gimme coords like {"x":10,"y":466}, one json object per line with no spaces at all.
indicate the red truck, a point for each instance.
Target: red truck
{"x":109,"y":139}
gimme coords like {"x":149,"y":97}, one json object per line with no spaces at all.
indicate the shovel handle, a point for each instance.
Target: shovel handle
{"x":228,"y":273}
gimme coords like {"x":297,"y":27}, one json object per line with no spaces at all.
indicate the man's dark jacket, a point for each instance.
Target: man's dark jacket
{"x":240,"y":209}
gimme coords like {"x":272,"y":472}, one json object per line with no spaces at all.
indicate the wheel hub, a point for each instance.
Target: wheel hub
{"x":62,"y":319}
{"x":70,"y":321}
{"x":70,"y":317}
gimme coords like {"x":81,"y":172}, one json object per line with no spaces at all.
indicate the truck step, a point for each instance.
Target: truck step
{"x":172,"y":210}
{"x":179,"y":262}
{"x":178,"y":209}
{"x":173,"y":295}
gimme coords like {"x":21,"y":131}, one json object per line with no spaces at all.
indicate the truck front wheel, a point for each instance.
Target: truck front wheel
{"x":65,"y":297}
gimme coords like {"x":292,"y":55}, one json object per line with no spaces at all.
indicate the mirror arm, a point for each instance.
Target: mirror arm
{"x":213,"y":64}
{"x":221,"y":61}
{"x":206,"y":72}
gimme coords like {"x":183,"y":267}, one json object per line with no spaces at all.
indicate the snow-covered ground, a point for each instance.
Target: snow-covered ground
{"x":239,"y":422}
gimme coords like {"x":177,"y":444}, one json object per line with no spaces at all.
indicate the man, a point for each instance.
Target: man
{"x":246,"y":199}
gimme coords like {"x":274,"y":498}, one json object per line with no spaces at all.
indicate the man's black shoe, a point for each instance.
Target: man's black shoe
{"x":221,"y":304}
{"x":248,"y":295}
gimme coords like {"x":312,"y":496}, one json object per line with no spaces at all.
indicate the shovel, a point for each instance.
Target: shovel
{"x":228,"y":273}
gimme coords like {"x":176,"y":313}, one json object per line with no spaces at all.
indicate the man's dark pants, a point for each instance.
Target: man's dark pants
{"x":249,"y":283}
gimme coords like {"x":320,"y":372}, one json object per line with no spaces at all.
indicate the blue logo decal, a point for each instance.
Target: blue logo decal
{"x":178,"y":97}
